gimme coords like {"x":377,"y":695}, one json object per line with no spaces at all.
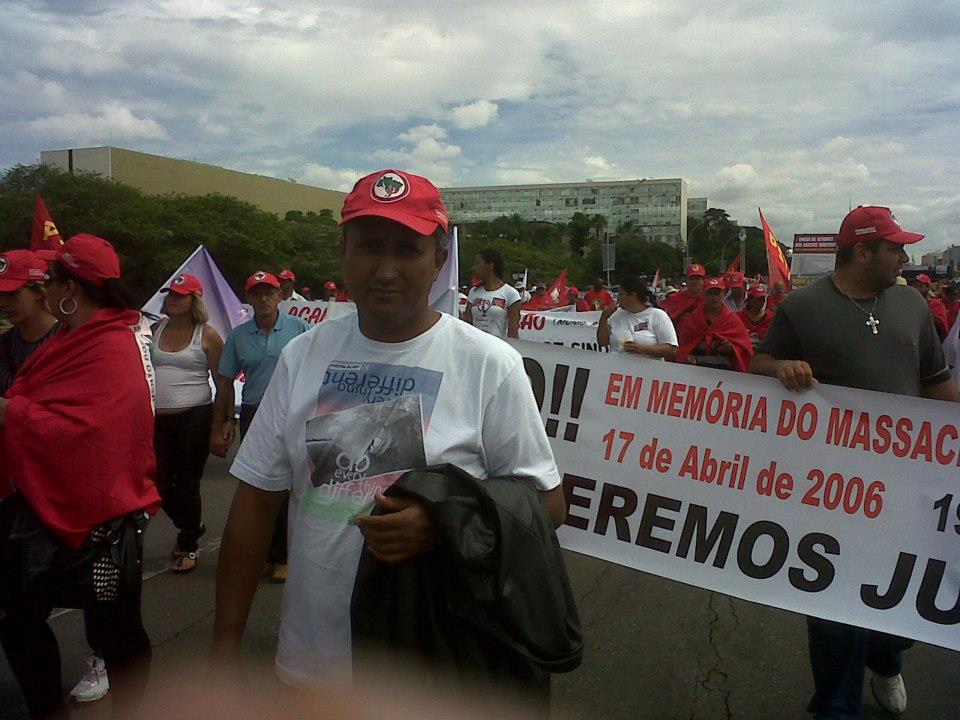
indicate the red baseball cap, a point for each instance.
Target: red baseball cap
{"x":262,"y":278}
{"x":89,"y":257}
{"x":287,"y":275}
{"x":19,"y":267}
{"x":757,"y":291}
{"x":713,"y":283}
{"x":330,"y":285}
{"x":185,"y":284}
{"x":405,"y":198}
{"x":735,"y":280}
{"x":305,"y":288}
{"x":923,"y":278}
{"x":865,"y":223}
{"x":696,"y":270}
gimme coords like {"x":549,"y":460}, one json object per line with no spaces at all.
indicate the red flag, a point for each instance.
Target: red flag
{"x":734,"y":265}
{"x":555,"y":296}
{"x":44,"y":235}
{"x":656,"y":279}
{"x":777,"y":267}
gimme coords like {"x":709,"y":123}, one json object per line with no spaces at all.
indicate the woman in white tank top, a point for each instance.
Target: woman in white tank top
{"x":185,"y":351}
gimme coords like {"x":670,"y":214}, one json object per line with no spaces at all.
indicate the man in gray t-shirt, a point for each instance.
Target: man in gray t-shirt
{"x":857,"y":328}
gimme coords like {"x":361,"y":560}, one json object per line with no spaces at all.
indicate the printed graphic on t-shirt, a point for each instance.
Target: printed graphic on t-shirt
{"x":641,"y":326}
{"x":369,"y":427}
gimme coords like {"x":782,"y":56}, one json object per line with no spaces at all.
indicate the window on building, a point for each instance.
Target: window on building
{"x":538,"y":202}
{"x":589,"y":201}
{"x":571,"y":202}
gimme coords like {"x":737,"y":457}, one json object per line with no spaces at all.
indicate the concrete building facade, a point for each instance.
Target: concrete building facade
{"x":696,"y":207}
{"x":159,"y":175}
{"x":659,"y":206}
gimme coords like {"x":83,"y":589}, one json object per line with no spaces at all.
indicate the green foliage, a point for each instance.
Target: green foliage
{"x":714,"y":243}
{"x":154,"y":234}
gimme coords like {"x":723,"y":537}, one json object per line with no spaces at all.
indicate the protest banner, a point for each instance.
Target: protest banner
{"x":838,"y":503}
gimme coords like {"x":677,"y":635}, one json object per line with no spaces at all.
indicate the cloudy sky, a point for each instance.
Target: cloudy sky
{"x":799,"y":108}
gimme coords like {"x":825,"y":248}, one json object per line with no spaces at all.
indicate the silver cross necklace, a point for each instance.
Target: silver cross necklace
{"x":872,"y":322}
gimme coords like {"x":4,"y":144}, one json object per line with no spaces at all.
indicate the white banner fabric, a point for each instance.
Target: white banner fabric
{"x":837,"y":503}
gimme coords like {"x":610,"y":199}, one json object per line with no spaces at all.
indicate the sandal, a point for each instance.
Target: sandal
{"x":185,"y":563}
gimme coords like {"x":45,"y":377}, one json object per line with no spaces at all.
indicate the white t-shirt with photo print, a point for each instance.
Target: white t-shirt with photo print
{"x":651,"y":326}
{"x":489,"y":308}
{"x":344,"y":416}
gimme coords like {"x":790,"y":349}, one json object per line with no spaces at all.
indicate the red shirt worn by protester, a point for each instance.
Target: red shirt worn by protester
{"x":953,"y":309}
{"x":594,"y":300}
{"x":939,"y":312}
{"x":77,"y":441}
{"x":756,"y":329}
{"x":679,"y":306}
{"x":726,"y":326}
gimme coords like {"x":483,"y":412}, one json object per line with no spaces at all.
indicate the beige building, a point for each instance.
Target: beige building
{"x":696,"y":207}
{"x":659,"y":206}
{"x":159,"y":175}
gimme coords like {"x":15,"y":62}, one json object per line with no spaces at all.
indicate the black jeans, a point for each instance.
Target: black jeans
{"x":114,"y":629}
{"x":182,"y":444}
{"x":278,"y":544}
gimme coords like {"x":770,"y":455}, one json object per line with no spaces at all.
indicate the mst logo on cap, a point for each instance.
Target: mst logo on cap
{"x":180,"y":280}
{"x":390,"y":187}
{"x":3,"y":264}
{"x":260,"y":275}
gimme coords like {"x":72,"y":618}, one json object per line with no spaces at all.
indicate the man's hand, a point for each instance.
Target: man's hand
{"x":795,"y":375}
{"x":222,"y":438}
{"x":403,"y":533}
{"x":725,"y":347}
{"x":632,"y":346}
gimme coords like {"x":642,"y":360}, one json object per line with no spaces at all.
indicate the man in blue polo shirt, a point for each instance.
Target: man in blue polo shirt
{"x":253,"y":349}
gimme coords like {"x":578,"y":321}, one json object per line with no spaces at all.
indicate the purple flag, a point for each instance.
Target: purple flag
{"x":226,"y":311}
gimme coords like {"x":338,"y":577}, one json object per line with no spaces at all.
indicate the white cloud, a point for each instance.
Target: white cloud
{"x":332,"y":178}
{"x":113,"y":121}
{"x":737,"y":175}
{"x":474,"y":115}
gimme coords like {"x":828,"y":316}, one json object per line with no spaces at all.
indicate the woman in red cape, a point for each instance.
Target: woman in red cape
{"x":76,"y":478}
{"x":712,"y":335}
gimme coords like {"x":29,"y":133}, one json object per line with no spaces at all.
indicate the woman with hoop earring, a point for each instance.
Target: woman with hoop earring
{"x":76,"y":481}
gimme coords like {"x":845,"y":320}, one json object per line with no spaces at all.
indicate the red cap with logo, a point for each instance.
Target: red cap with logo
{"x":696,"y":270}
{"x":19,"y":267}
{"x":261,"y":277}
{"x":405,"y":198}
{"x":757,"y":291}
{"x":330,"y":285}
{"x":923,"y":278}
{"x":185,"y":284}
{"x":305,"y":288}
{"x":287,"y":275}
{"x":735,"y":279}
{"x":89,"y":257}
{"x":713,"y":283}
{"x":865,"y":223}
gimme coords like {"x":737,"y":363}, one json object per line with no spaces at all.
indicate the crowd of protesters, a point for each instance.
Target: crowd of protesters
{"x":321,"y":407}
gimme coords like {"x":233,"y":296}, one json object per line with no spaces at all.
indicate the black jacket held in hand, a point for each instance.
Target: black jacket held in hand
{"x":492,"y":601}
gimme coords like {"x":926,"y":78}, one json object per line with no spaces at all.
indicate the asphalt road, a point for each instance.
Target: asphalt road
{"x":655,"y":649}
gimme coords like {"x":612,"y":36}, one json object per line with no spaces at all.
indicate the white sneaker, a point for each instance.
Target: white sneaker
{"x":890,"y":693}
{"x":94,"y":684}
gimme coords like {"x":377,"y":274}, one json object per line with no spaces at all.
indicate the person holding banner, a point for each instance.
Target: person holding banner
{"x":635,"y":326}
{"x":76,"y":477}
{"x":186,"y":350}
{"x":756,"y":316}
{"x":712,"y":336}
{"x":253,"y":349}
{"x":680,"y":305}
{"x":352,"y":405}
{"x":23,"y":302}
{"x":858,"y":328}
{"x":596,"y":298}
{"x":493,"y":306}
{"x":287,"y":280}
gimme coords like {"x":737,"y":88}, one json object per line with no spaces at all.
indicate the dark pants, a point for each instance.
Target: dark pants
{"x":182,"y":444}
{"x":114,"y":629}
{"x":278,"y":544}
{"x":839,"y":656}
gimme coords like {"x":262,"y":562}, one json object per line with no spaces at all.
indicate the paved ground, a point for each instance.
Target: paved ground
{"x":656,"y":649}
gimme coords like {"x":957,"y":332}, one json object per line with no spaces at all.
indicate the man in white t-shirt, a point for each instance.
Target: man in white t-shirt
{"x":351,"y":405}
{"x":634,"y":326}
{"x":493,"y":305}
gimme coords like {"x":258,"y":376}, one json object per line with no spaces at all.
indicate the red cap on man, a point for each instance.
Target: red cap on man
{"x":89,"y":257}
{"x":262,"y":278}
{"x":713,"y":283}
{"x":185,"y":284}
{"x":405,"y":198}
{"x":287,"y":275}
{"x":696,"y":270}
{"x":757,"y":291}
{"x":924,"y":279}
{"x":330,"y":285}
{"x":865,"y":223}
{"x":735,"y":279}
{"x":19,"y":267}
